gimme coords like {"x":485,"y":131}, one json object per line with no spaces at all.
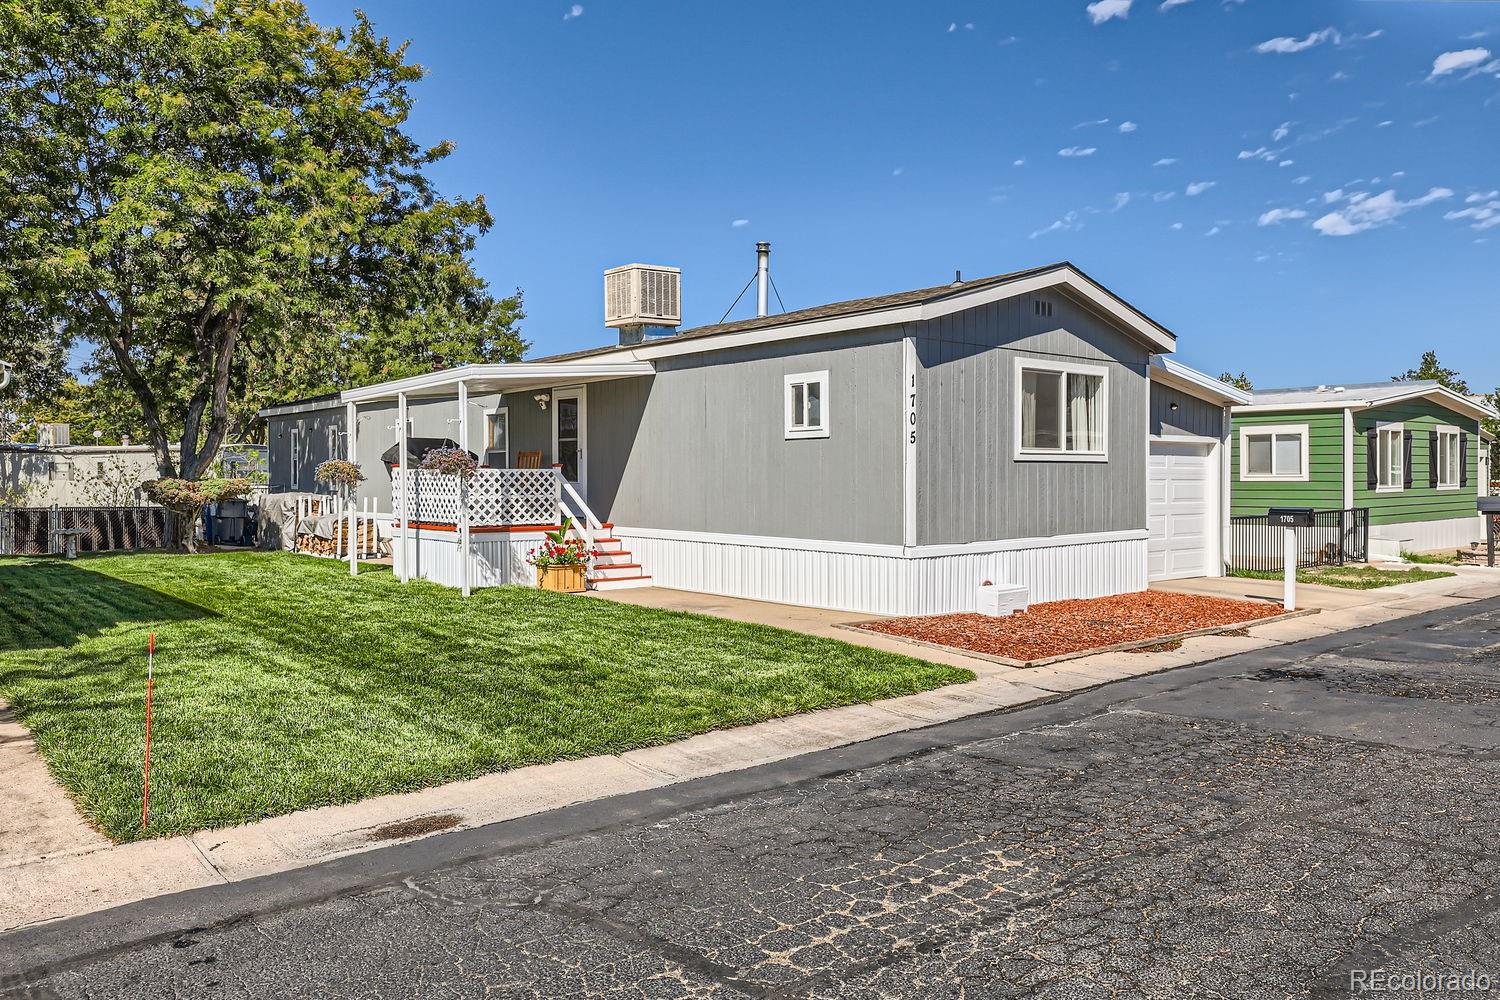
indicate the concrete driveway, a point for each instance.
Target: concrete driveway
{"x":1290,"y":821}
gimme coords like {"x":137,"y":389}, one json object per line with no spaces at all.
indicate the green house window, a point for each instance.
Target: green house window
{"x":1274,"y":452}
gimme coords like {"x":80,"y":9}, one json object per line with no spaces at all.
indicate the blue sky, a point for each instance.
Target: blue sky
{"x":1302,"y":190}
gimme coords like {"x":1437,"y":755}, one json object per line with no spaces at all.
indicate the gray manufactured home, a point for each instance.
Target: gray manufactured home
{"x":887,"y":454}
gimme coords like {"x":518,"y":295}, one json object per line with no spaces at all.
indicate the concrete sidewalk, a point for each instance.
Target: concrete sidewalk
{"x":52,"y":865}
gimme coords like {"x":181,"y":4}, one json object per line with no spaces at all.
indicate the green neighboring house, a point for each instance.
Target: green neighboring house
{"x":1410,"y":452}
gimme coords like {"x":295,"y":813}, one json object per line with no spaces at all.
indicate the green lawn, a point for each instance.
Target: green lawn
{"x":1448,"y":558}
{"x":282,"y":683}
{"x":1351,"y":577}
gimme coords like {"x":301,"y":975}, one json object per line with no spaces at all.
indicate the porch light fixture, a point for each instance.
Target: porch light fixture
{"x":542,"y":399}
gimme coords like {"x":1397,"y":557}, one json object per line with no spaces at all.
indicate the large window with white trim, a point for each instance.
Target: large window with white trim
{"x":1277,"y":452}
{"x":1390,"y":457}
{"x":1449,"y":458}
{"x":806,"y":405}
{"x":1062,"y":411}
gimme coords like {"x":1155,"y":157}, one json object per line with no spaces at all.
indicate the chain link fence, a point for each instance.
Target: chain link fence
{"x":42,"y":531}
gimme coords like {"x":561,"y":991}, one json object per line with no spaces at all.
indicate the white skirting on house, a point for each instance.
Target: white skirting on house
{"x":495,"y":558}
{"x":1388,"y":541}
{"x":888,"y":579}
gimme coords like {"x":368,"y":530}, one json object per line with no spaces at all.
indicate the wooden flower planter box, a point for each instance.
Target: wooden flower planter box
{"x":564,"y":579}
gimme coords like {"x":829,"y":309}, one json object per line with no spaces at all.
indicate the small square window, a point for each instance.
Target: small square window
{"x":807,"y":405}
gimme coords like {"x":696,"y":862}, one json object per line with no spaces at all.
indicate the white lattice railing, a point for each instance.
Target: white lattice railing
{"x":496,"y":497}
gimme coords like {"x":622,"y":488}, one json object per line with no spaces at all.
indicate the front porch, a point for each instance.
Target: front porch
{"x":526,"y":425}
{"x":481,"y":533}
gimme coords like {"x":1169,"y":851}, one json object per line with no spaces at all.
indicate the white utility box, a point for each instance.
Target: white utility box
{"x":1001,"y":599}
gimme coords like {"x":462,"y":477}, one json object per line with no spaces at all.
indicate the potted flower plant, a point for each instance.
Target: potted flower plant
{"x":561,"y":562}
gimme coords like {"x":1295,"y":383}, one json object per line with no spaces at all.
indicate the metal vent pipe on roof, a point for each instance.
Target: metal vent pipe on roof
{"x":762,"y":278}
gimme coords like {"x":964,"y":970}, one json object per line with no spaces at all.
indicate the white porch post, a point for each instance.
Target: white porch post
{"x":405,"y":515}
{"x":463,"y":486}
{"x":351,"y":422}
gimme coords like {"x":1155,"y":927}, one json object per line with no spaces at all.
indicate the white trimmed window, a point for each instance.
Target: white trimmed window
{"x":1449,"y":458}
{"x":1390,"y":457}
{"x":1274,"y":452}
{"x":807,"y":405}
{"x":1062,"y":411}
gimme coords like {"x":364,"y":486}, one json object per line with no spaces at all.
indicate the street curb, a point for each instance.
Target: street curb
{"x":1119,"y":647}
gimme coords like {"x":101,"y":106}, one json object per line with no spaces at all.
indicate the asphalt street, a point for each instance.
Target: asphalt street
{"x":1295,"y":821}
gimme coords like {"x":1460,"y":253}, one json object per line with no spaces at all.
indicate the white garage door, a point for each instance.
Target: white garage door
{"x":1177,"y":510}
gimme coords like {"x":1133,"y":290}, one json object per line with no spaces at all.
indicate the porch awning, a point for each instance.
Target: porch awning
{"x":482,"y":379}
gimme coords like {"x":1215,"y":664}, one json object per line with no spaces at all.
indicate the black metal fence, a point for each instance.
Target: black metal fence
{"x":1336,"y":537}
{"x":40,"y":531}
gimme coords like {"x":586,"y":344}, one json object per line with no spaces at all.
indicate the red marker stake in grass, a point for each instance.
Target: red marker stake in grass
{"x":150,"y":684}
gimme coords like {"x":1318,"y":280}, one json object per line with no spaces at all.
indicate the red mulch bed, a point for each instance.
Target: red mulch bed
{"x":1060,"y":627}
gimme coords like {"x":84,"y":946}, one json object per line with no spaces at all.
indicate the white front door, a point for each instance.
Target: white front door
{"x":1179,"y":512}
{"x":569,"y":423}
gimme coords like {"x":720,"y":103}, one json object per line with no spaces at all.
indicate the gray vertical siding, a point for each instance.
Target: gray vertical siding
{"x":1193,"y":417}
{"x":970,"y":487}
{"x":701,"y":445}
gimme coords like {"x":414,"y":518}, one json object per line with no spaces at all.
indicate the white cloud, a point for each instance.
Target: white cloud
{"x":1302,"y":180}
{"x":1385,"y":124}
{"x":1452,"y":62}
{"x":1281,"y":131}
{"x":1128,"y":127}
{"x":1163,"y":196}
{"x":1121,"y":200}
{"x":1279,"y":215}
{"x":574,"y":11}
{"x":1198,"y":187}
{"x":1092,"y":122}
{"x":1077,"y":151}
{"x":1102,"y":10}
{"x":1362,"y":211}
{"x":1482,"y":211}
{"x":1286,"y":44}
{"x":738,"y":223}
{"x":898,"y":171}
{"x":1176,"y":225}
{"x":1329,"y":197}
{"x":1259,"y":153}
{"x":1165,"y":161}
{"x":1067,"y":222}
{"x":1169,"y":4}
{"x":1019,"y":163}
{"x":952,"y":27}
{"x":1339,"y":76}
{"x":1214,"y":231}
{"x":1474,"y":36}
{"x":1286,"y":163}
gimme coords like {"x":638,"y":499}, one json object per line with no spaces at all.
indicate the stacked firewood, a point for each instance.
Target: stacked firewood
{"x":335,"y":546}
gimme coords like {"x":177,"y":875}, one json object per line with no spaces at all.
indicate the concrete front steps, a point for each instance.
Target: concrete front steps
{"x":614,"y":568}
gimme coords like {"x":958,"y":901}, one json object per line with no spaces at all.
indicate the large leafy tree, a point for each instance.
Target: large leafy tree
{"x":220,"y":197}
{"x":1431,"y":370}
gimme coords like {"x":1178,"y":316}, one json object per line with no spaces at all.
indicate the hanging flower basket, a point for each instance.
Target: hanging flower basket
{"x":339,"y":473}
{"x":450,"y":462}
